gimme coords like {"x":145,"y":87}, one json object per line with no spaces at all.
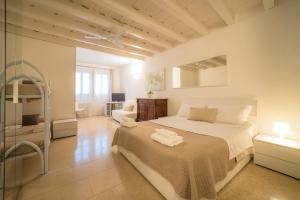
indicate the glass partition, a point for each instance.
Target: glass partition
{"x":2,"y":102}
{"x":11,"y":108}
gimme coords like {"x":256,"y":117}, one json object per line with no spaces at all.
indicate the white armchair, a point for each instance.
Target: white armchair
{"x":81,"y":111}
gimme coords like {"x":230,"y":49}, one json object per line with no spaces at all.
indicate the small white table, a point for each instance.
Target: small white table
{"x":282,"y":155}
{"x":64,"y":128}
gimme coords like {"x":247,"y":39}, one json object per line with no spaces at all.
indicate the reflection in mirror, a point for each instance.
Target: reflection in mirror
{"x":209,"y":72}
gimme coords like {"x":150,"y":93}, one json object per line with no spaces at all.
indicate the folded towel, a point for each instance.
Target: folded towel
{"x":171,"y":141}
{"x":129,"y":124}
{"x":165,"y":132}
{"x":127,"y":119}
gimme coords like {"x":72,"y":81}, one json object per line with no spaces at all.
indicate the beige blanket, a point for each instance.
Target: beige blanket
{"x":193,"y":167}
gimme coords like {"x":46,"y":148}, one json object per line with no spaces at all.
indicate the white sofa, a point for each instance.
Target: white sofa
{"x":118,"y":115}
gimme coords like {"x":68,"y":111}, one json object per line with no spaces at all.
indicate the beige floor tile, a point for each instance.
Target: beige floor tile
{"x":109,"y":195}
{"x":76,"y":191}
{"x":37,"y":193}
{"x":105,"y":180}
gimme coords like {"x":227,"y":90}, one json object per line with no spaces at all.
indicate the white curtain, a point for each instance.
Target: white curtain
{"x":93,"y":89}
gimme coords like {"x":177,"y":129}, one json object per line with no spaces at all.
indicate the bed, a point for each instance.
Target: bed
{"x":25,"y":140}
{"x":210,"y":156}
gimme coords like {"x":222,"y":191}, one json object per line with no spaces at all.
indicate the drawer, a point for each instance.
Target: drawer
{"x":64,"y":126}
{"x":273,"y":150}
{"x":146,"y":101}
{"x":64,"y":133}
{"x":277,"y":165}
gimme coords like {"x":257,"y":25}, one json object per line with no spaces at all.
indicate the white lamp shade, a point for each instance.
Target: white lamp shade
{"x":281,"y":128}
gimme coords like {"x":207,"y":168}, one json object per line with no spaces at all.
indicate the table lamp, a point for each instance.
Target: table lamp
{"x":282,"y":129}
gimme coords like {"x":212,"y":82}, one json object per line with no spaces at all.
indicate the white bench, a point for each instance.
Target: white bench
{"x":64,"y":128}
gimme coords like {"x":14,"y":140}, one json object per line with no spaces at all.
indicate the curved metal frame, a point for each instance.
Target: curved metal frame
{"x":44,"y":92}
{"x":31,"y":144}
{"x":34,"y":80}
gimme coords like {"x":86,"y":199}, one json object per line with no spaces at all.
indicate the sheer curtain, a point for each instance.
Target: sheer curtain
{"x":93,"y":89}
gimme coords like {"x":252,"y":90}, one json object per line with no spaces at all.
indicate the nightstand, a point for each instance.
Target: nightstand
{"x":282,"y":155}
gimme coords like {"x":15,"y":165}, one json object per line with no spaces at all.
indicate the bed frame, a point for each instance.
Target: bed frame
{"x":163,"y":185}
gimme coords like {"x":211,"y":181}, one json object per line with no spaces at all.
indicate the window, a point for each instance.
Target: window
{"x":92,"y":82}
{"x":78,"y":83}
{"x":85,"y":83}
{"x":105,"y":84}
{"x":101,"y":83}
{"x":97,"y":84}
{"x":82,"y":83}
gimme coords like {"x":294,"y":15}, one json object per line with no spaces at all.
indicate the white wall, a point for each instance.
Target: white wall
{"x":263,"y":61}
{"x":133,"y":80}
{"x":57,"y":63}
{"x":116,"y":80}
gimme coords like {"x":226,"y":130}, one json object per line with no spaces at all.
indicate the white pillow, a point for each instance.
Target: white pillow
{"x":130,"y":103}
{"x":184,"y":110}
{"x":233,"y":114}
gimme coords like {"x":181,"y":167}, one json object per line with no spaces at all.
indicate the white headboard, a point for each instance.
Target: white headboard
{"x":225,"y":101}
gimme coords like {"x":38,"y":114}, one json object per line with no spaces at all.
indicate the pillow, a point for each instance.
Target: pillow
{"x":28,"y":120}
{"x":203,"y":114}
{"x":183,"y":110}
{"x":128,"y":108}
{"x":233,"y":114}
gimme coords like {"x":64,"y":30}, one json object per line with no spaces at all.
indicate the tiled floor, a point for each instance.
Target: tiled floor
{"x":83,"y":167}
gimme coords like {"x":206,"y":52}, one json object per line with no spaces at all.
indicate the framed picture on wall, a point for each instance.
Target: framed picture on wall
{"x":155,"y":81}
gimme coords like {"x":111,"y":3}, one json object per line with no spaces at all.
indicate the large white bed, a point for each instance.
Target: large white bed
{"x":237,"y":136}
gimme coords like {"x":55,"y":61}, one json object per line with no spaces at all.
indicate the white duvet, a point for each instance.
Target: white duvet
{"x":238,"y":137}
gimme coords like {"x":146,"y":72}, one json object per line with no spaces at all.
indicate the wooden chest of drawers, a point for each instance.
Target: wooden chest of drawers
{"x":148,"y":109}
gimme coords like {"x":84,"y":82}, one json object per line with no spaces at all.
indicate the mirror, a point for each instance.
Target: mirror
{"x":209,"y":72}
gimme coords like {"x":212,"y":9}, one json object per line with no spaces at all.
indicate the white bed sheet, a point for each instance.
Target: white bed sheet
{"x":238,"y":137}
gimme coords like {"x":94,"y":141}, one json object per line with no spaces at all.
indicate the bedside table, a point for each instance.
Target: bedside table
{"x":282,"y":155}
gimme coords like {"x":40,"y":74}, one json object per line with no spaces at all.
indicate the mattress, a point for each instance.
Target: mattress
{"x":13,"y":136}
{"x":23,"y":89}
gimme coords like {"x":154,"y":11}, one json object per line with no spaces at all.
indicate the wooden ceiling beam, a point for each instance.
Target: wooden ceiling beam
{"x":182,"y":14}
{"x":56,"y":19}
{"x":63,"y":41}
{"x":223,"y":11}
{"x":140,"y":18}
{"x":65,"y":33}
{"x":71,"y":9}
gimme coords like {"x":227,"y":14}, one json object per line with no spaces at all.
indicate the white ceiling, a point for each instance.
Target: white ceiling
{"x":100,"y":58}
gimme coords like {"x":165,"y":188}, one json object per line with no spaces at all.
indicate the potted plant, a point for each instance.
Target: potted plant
{"x":150,"y":93}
